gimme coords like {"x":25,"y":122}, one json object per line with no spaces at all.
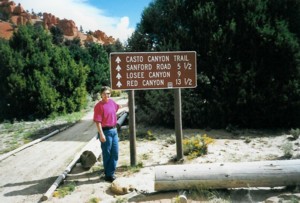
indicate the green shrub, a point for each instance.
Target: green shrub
{"x":115,"y":93}
{"x":287,"y":150}
{"x":196,"y":146}
{"x":295,"y":133}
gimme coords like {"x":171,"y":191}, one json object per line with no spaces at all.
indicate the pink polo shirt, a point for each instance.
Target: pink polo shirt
{"x":106,"y":113}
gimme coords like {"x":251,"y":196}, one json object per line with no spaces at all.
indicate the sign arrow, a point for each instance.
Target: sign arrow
{"x":118,"y":68}
{"x":118,"y":60}
{"x":119,"y":84}
{"x":118,"y":76}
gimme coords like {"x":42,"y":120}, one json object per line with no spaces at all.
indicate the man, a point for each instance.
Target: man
{"x":105,"y":118}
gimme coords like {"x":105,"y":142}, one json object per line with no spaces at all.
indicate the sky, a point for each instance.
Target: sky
{"x":117,"y":18}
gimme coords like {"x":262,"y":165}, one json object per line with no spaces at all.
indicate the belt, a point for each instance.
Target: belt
{"x":108,"y":127}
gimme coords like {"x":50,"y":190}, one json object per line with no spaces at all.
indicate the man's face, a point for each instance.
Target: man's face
{"x":106,"y":95}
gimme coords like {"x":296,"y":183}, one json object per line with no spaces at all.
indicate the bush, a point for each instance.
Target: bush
{"x":115,"y":93}
{"x":196,"y":146}
{"x":295,"y":133}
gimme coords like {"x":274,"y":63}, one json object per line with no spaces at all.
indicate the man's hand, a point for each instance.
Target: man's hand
{"x":123,"y":105}
{"x":102,"y":138}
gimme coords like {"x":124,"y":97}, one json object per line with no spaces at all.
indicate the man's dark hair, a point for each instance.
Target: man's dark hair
{"x":104,"y":88}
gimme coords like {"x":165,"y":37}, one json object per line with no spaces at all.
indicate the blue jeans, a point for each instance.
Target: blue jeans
{"x":110,"y":151}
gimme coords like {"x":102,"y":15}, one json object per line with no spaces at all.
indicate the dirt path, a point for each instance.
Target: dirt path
{"x":90,"y":187}
{"x":27,"y":175}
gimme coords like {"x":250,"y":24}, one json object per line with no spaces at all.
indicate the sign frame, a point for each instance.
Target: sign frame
{"x":182,"y":67}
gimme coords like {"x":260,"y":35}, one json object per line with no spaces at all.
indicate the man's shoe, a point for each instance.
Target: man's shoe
{"x":107,"y":178}
{"x":110,"y":178}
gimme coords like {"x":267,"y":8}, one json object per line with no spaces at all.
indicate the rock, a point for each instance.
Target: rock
{"x":68,"y":27}
{"x":18,"y":10}
{"x":7,"y":7}
{"x":6,"y":30}
{"x":102,"y":37}
{"x":284,"y":198}
{"x":49,"y":20}
{"x":99,"y":35}
{"x":272,"y":200}
{"x":18,"y":16}
{"x":23,"y":19}
{"x":90,"y":38}
{"x":122,"y":186}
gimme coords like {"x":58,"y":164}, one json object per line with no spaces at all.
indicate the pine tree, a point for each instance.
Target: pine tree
{"x":39,"y":78}
{"x":248,"y":58}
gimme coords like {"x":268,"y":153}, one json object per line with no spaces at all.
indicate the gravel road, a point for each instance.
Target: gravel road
{"x":27,"y":175}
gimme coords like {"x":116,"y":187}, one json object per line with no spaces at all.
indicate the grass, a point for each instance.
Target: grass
{"x":132,"y":169}
{"x":65,"y":190}
{"x":14,"y":135}
{"x":140,"y":133}
{"x":206,"y":194}
{"x":94,"y":200}
{"x":145,"y":156}
{"x":121,"y":200}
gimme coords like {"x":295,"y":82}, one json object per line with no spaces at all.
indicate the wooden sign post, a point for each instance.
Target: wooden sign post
{"x":153,"y":70}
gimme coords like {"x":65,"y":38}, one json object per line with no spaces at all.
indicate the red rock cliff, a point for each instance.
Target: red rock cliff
{"x":16,"y":15}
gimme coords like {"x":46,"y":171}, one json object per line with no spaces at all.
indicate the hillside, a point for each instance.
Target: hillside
{"x":12,"y":16}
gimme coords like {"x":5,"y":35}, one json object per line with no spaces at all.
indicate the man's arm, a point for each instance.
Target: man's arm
{"x":123,"y":105}
{"x":100,"y":131}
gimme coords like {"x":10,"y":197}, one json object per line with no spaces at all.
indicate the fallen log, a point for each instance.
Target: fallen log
{"x":91,"y":154}
{"x":228,"y":175}
{"x":121,"y":119}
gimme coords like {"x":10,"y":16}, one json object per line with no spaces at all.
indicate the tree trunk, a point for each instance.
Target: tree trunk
{"x":91,"y":154}
{"x":228,"y":175}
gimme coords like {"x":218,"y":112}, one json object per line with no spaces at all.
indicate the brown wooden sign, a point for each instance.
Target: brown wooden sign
{"x":153,"y":70}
